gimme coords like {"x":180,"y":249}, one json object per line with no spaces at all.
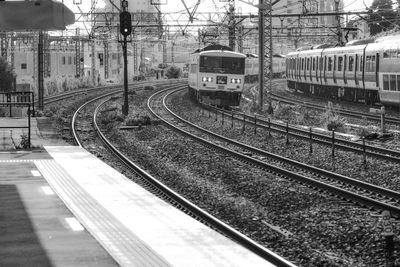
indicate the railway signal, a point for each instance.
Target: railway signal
{"x":125,"y":23}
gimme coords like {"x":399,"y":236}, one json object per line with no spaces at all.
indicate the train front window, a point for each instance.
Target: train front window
{"x":222,"y":65}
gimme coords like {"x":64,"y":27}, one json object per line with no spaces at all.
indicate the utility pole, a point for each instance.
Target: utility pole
{"x":40,"y":71}
{"x":339,"y":27}
{"x":125,"y":27}
{"x":77,"y":53}
{"x":93,"y":52}
{"x":265,"y":51}
{"x":231,"y":24}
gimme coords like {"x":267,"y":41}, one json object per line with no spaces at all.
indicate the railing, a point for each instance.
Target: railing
{"x":10,"y":98}
{"x":15,"y":99}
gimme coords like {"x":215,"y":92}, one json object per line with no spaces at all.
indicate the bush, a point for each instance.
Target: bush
{"x":173,"y":72}
{"x":283,"y":112}
{"x":138,"y":120}
{"x":332,"y":121}
{"x":7,"y":76}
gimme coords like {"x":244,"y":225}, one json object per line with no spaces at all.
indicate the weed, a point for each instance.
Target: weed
{"x":331,"y":120}
{"x":24,"y":143}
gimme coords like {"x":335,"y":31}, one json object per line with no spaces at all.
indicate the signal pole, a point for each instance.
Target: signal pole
{"x":125,"y":27}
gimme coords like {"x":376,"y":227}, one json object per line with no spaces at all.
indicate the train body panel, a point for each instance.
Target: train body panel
{"x":369,"y":72}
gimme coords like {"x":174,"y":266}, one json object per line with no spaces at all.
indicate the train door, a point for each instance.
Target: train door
{"x":377,"y":70}
{"x":334,"y":68}
{"x":355,"y":69}
{"x":325,"y":60}
{"x":344,"y":68}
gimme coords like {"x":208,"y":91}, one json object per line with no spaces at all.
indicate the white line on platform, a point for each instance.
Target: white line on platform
{"x":74,"y":224}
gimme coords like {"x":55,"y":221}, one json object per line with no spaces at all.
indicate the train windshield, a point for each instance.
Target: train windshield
{"x":231,"y":65}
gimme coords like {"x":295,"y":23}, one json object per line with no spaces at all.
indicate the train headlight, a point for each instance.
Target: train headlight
{"x":236,"y":80}
{"x":206,"y":79}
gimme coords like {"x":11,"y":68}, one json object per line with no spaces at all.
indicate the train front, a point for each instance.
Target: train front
{"x":221,"y":77}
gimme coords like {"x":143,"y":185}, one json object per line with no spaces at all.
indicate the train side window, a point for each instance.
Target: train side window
{"x":334,"y":63}
{"x":321,"y":63}
{"x":330,"y":61}
{"x":351,"y":63}
{"x":340,"y":63}
{"x":313,"y":63}
{"x":369,"y":64}
{"x":308,"y":63}
{"x":398,"y":82}
{"x":386,"y":82}
{"x":392,"y":82}
{"x":361,"y":64}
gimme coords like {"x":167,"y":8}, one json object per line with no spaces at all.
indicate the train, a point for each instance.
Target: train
{"x":252,"y":67}
{"x":217,"y":74}
{"x":362,"y":71}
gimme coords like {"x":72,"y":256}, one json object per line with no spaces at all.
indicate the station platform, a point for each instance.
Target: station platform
{"x":62,"y":206}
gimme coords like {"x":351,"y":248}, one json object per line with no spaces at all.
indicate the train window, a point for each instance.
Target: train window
{"x":313,"y":64}
{"x":398,"y":82}
{"x":330,"y":63}
{"x":340,"y":63}
{"x":386,"y":82}
{"x":308,"y":64}
{"x":230,"y":65}
{"x":302,"y":64}
{"x":393,"y":83}
{"x":370,"y":64}
{"x":351,"y":63}
{"x":321,"y":62}
{"x":361,"y":64}
{"x":334,"y":63}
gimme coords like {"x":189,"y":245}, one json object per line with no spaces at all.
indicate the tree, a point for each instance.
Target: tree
{"x":382,"y":17}
{"x":173,"y":72}
{"x":6,"y":76}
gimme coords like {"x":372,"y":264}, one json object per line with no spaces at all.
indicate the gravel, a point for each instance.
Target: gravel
{"x":307,"y":227}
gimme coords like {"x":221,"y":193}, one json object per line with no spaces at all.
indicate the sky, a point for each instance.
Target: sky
{"x":206,"y":5}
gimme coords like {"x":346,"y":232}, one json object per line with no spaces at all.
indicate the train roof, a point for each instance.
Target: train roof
{"x":213,"y":47}
{"x":250,"y":55}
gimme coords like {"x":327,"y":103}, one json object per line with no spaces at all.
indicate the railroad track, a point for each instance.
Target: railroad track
{"x":344,"y":112}
{"x":159,"y":189}
{"x":344,"y":187}
{"x":307,"y":134}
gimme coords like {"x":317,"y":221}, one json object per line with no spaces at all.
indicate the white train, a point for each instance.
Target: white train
{"x":368,"y":71}
{"x":216,"y":75}
{"x":252,"y":67}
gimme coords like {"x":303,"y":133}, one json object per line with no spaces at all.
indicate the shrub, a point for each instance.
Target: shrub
{"x":138,"y":120}
{"x":173,"y":72}
{"x":7,"y":76}
{"x":284,"y":112}
{"x":332,"y":121}
{"x":336,"y":123}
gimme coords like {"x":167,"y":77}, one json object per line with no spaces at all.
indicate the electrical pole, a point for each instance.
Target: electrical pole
{"x":40,"y":70}
{"x":231,"y":24}
{"x":265,"y":51}
{"x":339,"y":27}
